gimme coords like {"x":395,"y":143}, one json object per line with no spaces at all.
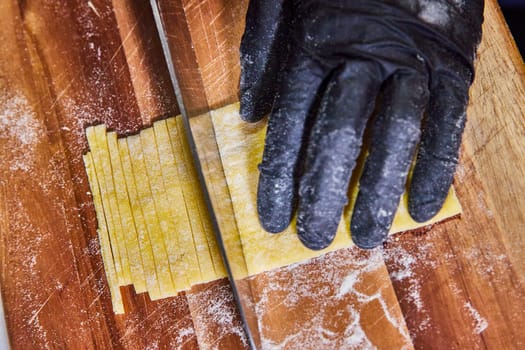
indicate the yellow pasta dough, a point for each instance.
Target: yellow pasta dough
{"x":241,"y":145}
{"x":103,"y":236}
{"x":193,"y":195}
{"x":193,"y":262}
{"x":177,"y":253}
{"x":146,"y":250}
{"x":101,"y":160}
{"x":144,"y":166}
{"x":126,"y":217}
{"x":154,"y":228}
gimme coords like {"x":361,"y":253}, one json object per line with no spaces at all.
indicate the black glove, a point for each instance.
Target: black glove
{"x":319,"y":66}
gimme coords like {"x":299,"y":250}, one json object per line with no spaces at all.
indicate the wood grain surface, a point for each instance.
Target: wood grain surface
{"x":469,"y":274}
{"x":67,"y":65}
{"x":64,"y":66}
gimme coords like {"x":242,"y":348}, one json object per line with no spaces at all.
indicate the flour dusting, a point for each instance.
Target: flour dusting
{"x":153,"y":345}
{"x":414,"y":262}
{"x":355,"y":336}
{"x":348,"y":284}
{"x":21,"y":129}
{"x":489,"y":261}
{"x":215,"y":316}
{"x":330,"y":310}
{"x":402,"y":270}
{"x":19,"y":120}
{"x":480,"y":323}
{"x":434,"y":12}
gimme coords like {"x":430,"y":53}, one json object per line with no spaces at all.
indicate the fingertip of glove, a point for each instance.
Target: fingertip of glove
{"x":248,"y":113}
{"x":252,"y":107}
{"x":272,"y":224}
{"x":422,"y":211}
{"x":366,"y":231}
{"x":272,"y":219}
{"x":428,"y":191}
{"x":274,"y":204}
{"x":316,"y":232}
{"x":368,"y":238}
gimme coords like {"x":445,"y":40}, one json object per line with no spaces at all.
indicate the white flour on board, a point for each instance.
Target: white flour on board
{"x":330,"y":309}
{"x":402,"y":270}
{"x":411,"y":264}
{"x":480,"y":323}
{"x":21,"y":129}
{"x":216,"y":312}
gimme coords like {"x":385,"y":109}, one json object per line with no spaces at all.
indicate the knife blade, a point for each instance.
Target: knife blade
{"x":200,"y":141}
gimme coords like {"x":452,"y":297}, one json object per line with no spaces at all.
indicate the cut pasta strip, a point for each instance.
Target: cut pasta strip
{"x":168,"y":227}
{"x":208,"y":235}
{"x":126,"y":217}
{"x":146,"y":251}
{"x":153,"y":225}
{"x":103,"y":236}
{"x":174,"y":189}
{"x":171,"y":214}
{"x":189,"y":196}
{"x":218,"y":264}
{"x":97,"y":140}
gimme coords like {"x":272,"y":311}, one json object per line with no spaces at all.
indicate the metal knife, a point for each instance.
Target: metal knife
{"x":201,"y":141}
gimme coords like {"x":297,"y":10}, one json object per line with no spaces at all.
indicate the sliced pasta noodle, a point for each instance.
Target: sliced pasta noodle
{"x":103,"y":236}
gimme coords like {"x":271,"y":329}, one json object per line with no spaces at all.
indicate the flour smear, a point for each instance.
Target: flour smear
{"x":330,"y":309}
{"x":21,"y":130}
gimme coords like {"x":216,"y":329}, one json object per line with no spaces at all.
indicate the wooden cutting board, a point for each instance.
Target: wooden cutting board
{"x":64,"y":66}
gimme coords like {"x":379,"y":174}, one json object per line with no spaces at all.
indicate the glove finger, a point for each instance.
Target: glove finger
{"x":332,"y":151}
{"x":275,"y":197}
{"x":395,"y":135}
{"x":438,"y":152}
{"x":263,"y":49}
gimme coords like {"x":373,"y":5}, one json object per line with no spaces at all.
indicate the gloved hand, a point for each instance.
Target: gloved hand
{"x":321,"y":67}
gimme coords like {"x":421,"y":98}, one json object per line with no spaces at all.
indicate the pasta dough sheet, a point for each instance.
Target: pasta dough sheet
{"x":154,"y":229}
{"x":241,"y":146}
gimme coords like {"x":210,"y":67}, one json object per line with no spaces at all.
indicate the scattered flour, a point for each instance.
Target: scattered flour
{"x":409,"y":264}
{"x":215,"y":316}
{"x":21,"y":129}
{"x":402,"y":270}
{"x":183,"y":335}
{"x":329,"y":311}
{"x":348,"y":284}
{"x":437,"y":12}
{"x":434,"y":12}
{"x":480,"y":323}
{"x":154,"y":345}
{"x":355,"y":337}
{"x":489,"y":261}
{"x":482,"y":204}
